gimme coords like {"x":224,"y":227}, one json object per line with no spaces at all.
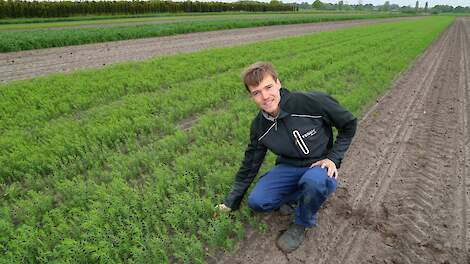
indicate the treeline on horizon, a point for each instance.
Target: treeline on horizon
{"x":387,"y":6}
{"x":24,"y":9}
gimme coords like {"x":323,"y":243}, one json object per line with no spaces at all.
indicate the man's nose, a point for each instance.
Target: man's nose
{"x":264,"y":95}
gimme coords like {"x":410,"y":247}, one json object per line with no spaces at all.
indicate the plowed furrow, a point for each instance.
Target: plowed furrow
{"x":399,"y":133}
{"x":435,"y":143}
{"x":386,"y":164}
{"x":378,"y":177}
{"x":437,"y":140}
{"x":463,"y":173}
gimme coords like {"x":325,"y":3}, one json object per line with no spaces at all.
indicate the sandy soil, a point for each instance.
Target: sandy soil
{"x":29,"y":64}
{"x":404,"y":188}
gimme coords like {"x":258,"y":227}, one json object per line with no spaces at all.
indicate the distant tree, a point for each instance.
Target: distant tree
{"x":305,"y":5}
{"x":417,"y":6}
{"x":460,"y":9}
{"x":359,"y":7}
{"x":386,"y":6}
{"x":443,"y":8}
{"x":340,"y":5}
{"x":317,"y":4}
{"x":347,"y":7}
{"x":368,"y":6}
{"x":394,"y":7}
{"x":426,"y":7}
{"x":328,"y":6}
{"x":14,"y":9}
{"x":407,"y":9}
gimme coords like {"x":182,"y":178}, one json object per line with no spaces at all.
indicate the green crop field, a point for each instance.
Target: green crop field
{"x":102,"y":166}
{"x":163,"y":19}
{"x":103,"y":18}
{"x":11,"y":21}
{"x":43,"y":38}
{"x":33,"y":23}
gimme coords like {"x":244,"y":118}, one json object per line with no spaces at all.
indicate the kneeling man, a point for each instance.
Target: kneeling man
{"x":297,"y":127}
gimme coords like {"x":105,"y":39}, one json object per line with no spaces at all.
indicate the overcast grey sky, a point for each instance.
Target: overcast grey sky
{"x":403,"y":2}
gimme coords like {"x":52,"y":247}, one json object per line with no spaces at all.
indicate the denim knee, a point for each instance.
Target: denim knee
{"x":258,"y":204}
{"x":313,"y":187}
{"x":318,"y":183}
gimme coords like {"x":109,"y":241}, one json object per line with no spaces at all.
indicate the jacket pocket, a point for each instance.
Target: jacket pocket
{"x":310,"y":137}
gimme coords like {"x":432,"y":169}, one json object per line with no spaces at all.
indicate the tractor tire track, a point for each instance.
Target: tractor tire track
{"x":463,"y":174}
{"x":418,"y":196}
{"x":373,"y":187}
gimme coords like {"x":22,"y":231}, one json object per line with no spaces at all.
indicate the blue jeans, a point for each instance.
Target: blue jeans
{"x":284,"y":183}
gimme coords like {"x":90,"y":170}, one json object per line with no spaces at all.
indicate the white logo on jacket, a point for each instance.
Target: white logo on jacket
{"x":309,"y":133}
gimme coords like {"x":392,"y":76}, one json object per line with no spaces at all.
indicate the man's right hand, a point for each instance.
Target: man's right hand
{"x":223,"y":208}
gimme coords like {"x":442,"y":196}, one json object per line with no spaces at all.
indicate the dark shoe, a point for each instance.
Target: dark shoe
{"x":287,"y":209}
{"x":291,"y":239}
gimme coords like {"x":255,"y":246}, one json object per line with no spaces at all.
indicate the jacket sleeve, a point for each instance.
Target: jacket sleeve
{"x":254,"y":156}
{"x":342,"y":142}
{"x":344,"y":122}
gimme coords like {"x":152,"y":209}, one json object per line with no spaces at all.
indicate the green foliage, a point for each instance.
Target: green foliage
{"x":145,"y":17}
{"x":54,"y":23}
{"x":96,"y":166}
{"x":317,"y":4}
{"x":44,"y":38}
{"x":13,"y":8}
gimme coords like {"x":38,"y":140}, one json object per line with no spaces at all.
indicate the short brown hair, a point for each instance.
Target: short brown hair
{"x":254,"y":74}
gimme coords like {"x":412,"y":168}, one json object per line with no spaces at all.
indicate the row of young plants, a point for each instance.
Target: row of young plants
{"x":6,"y":21}
{"x":78,"y":134}
{"x":43,"y":38}
{"x":147,"y":194}
{"x":153,"y":20}
{"x":48,"y":109}
{"x":30,"y":104}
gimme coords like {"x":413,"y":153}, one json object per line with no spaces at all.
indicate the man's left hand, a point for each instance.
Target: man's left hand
{"x":330,"y":165}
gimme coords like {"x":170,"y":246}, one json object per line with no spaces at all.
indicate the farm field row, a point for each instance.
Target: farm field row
{"x":43,"y":38}
{"x":11,"y":21}
{"x":30,"y":64}
{"x":127,"y":163}
{"x":116,"y":21}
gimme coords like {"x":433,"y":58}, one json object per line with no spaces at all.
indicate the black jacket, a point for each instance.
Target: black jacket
{"x":299,"y":136}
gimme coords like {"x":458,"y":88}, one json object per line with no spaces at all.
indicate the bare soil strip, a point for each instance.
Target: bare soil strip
{"x":404,"y":191}
{"x":28,"y":64}
{"x":463,"y":201}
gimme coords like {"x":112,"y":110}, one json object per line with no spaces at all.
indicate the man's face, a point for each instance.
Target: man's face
{"x":267,"y":95}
